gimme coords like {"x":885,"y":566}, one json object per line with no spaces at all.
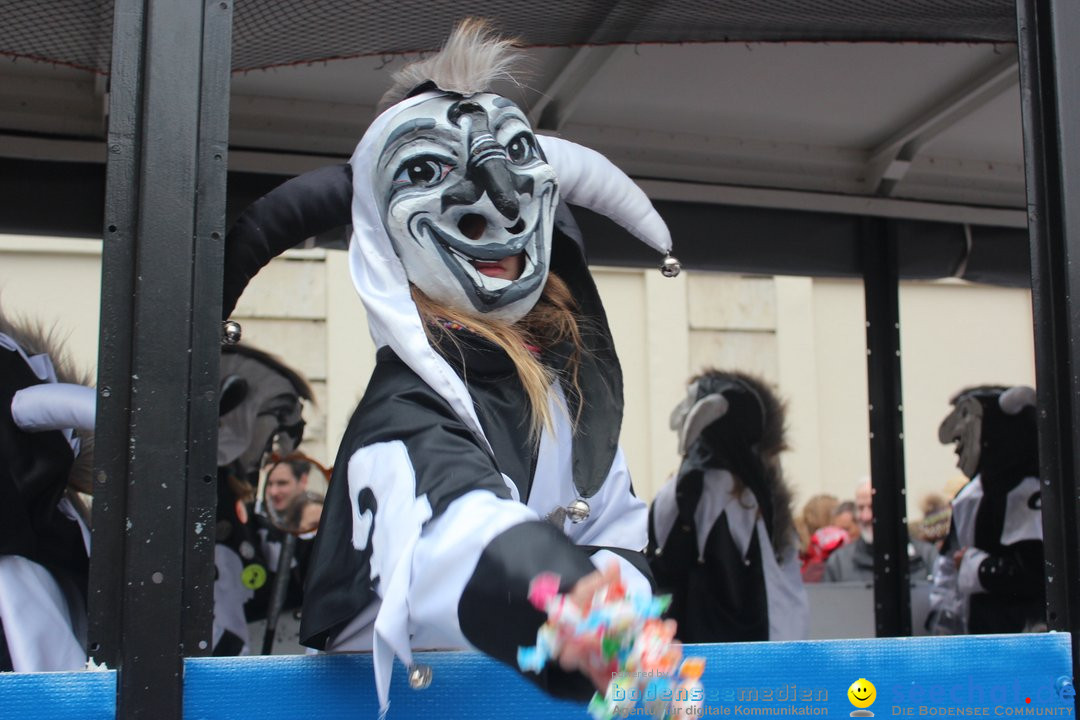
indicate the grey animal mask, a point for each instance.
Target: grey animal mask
{"x":984,"y":416}
{"x":963,"y":426}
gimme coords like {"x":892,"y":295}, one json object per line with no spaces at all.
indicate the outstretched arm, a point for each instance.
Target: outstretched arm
{"x":428,"y":520}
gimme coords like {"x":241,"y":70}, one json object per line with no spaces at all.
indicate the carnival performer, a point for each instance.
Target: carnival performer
{"x":46,"y":455}
{"x":261,"y":412}
{"x":485,"y":449}
{"x":989,"y":577}
{"x":721,"y":536}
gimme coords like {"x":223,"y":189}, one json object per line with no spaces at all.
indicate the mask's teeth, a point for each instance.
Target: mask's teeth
{"x":460,"y":254}
{"x":492,"y":283}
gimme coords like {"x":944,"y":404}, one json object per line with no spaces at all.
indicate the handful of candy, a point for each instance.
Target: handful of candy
{"x":621,"y":637}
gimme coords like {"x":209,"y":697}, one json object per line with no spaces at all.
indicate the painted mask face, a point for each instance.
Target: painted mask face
{"x":468,"y":201}
{"x":963,"y":426}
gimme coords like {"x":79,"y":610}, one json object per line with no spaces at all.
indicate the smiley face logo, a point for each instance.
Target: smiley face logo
{"x":862,"y":694}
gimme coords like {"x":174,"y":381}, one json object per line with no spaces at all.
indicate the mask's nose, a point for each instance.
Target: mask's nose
{"x":487,"y":169}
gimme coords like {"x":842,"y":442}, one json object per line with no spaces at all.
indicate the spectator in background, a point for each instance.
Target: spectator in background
{"x":288,"y":509}
{"x":816,"y":513}
{"x":825,"y":540}
{"x":286,"y":486}
{"x":855,"y":561}
{"x":934,"y":525}
{"x":844,"y":518}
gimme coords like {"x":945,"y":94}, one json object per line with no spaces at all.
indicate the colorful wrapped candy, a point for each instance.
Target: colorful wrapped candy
{"x":619,"y":636}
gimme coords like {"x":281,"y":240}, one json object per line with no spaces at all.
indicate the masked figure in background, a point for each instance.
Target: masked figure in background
{"x":260,"y":413}
{"x":485,"y":449}
{"x":721,"y":537}
{"x":46,"y":454}
{"x":990,"y":576}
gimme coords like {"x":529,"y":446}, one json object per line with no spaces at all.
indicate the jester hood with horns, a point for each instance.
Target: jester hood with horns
{"x":989,"y":577}
{"x":721,"y":537}
{"x":444,"y":503}
{"x":46,"y":453}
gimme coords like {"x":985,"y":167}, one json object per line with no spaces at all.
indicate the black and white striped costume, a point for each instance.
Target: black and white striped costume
{"x":999,"y":584}
{"x":721,"y":540}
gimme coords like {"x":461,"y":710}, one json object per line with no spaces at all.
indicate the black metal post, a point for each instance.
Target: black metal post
{"x":152,"y":563}
{"x":892,"y":594}
{"x":114,"y":345}
{"x":279,"y":591}
{"x":206,"y":325}
{"x":1050,"y":109}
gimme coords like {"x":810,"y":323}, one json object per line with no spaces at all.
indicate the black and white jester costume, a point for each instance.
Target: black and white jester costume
{"x":999,"y":585}
{"x":44,"y":541}
{"x":441,"y":510}
{"x":261,"y":410}
{"x":721,"y":538}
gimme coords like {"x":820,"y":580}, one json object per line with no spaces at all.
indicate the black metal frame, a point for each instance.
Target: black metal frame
{"x":152,"y":566}
{"x":892,"y":596}
{"x":1050,"y":105}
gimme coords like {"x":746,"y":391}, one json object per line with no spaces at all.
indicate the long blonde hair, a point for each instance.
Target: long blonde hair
{"x":552,"y":320}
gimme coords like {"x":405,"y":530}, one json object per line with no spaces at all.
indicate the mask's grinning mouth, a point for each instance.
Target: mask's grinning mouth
{"x":490,"y":290}
{"x":472,"y":265}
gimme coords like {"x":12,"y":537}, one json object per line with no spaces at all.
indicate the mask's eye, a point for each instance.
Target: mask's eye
{"x":422,"y":171}
{"x":522,"y":148}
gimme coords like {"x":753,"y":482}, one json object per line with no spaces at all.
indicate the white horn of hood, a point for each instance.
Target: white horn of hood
{"x":54,"y":406}
{"x":589,"y":179}
{"x":1016,"y":398}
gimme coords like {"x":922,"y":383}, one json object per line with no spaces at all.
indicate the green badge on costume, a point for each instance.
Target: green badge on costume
{"x":254,"y":576}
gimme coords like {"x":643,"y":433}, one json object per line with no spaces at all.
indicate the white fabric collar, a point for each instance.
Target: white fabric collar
{"x":379,"y":278}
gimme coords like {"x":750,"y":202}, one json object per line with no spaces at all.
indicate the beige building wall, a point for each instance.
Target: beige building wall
{"x":807,"y":336}
{"x":56,"y":281}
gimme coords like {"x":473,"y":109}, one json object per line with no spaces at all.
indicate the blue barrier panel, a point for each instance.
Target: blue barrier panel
{"x":977,"y":676}
{"x":58,"y":696}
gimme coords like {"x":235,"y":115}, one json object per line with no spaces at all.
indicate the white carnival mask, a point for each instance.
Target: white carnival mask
{"x":468,"y":201}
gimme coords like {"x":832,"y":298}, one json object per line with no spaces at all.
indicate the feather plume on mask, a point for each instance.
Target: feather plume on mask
{"x":470,"y":61}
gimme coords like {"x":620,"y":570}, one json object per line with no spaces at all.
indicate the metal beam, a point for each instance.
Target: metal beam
{"x":68,"y":107}
{"x":891,"y":159}
{"x":892,"y":595}
{"x":1050,"y":110}
{"x":294,"y":124}
{"x":152,"y":565}
{"x":205,"y":348}
{"x":695,"y":157}
{"x":286,"y":164}
{"x":560,"y":98}
{"x":831,"y":203}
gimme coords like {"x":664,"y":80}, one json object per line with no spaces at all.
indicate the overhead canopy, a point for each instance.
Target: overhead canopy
{"x":762,"y":157}
{"x":269,"y":33}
